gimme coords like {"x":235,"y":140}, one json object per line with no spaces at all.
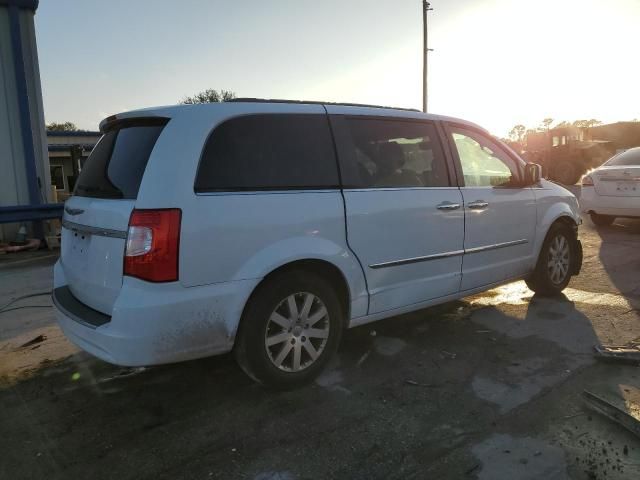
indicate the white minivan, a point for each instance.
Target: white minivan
{"x":267,"y":227}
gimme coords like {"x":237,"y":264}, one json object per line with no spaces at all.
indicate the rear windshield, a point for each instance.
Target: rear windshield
{"x":116,"y":165}
{"x":630,"y":157}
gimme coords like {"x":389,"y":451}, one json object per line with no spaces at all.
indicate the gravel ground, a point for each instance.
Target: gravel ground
{"x":488,"y":388}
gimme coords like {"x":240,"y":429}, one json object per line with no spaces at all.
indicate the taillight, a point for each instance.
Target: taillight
{"x":153,"y":243}
{"x":587,"y":181}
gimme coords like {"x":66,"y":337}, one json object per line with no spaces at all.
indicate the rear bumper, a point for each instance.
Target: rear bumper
{"x":65,"y":302}
{"x":591,"y":202}
{"x":153,"y":324}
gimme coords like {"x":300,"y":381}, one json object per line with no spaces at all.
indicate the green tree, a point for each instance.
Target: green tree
{"x":61,"y":127}
{"x":210,"y":96}
{"x":546,"y":123}
{"x":517,"y":133}
{"x":586,"y":123}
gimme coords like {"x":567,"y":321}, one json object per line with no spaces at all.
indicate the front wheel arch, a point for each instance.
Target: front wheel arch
{"x":570,"y":223}
{"x":566,"y":221}
{"x":537,"y":281}
{"x":552,"y":217}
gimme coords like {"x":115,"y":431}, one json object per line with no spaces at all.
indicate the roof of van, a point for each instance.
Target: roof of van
{"x":169,"y":111}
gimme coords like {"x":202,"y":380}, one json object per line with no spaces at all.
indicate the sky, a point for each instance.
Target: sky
{"x":496,"y":62}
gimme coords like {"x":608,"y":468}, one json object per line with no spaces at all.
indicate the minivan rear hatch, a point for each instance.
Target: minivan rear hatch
{"x":96,"y":217}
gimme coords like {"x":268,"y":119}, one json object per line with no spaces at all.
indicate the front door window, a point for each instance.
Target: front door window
{"x":483,"y":163}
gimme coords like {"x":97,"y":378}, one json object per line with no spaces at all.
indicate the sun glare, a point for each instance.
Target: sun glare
{"x":568,"y":59}
{"x":503,"y":62}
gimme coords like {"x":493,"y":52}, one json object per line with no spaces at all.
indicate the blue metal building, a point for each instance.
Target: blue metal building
{"x":25,"y":181}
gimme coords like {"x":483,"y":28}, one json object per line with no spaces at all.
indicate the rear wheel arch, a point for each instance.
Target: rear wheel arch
{"x":308,"y":278}
{"x":322,"y":268}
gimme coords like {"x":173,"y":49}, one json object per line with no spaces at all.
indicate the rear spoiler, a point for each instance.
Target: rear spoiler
{"x":115,"y":122}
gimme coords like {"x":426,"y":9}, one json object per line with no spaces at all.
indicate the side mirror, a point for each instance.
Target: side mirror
{"x":532,"y":173}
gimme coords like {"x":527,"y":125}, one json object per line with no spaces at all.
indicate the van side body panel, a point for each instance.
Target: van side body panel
{"x":233,"y":236}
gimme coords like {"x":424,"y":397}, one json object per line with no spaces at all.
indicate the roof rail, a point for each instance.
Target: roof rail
{"x":314,"y":102}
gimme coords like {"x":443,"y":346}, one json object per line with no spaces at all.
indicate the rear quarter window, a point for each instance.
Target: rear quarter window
{"x":269,"y":152}
{"x":117,"y":163}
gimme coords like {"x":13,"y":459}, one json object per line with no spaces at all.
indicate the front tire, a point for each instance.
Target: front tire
{"x":601,"y":220}
{"x":290,"y":329}
{"x":555,"y":263}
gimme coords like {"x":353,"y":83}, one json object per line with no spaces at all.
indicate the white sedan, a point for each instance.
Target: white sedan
{"x":613,"y":189}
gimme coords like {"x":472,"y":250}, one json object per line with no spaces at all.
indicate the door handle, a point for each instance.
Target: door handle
{"x":478,"y":205}
{"x":448,"y":206}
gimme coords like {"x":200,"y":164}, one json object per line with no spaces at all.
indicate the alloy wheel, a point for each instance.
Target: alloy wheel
{"x":558,"y":259}
{"x":297,"y":332}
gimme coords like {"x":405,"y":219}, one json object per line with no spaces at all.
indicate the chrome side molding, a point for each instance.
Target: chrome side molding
{"x":495,"y":246}
{"x":453,"y":253}
{"x":426,"y":258}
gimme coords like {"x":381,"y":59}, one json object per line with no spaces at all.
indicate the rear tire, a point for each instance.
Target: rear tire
{"x":601,"y":220}
{"x":555,"y":263}
{"x":290,"y":329}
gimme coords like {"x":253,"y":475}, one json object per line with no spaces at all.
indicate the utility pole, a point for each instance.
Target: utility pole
{"x":426,"y":7}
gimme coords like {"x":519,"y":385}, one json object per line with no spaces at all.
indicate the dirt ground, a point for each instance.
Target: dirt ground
{"x":488,"y":387}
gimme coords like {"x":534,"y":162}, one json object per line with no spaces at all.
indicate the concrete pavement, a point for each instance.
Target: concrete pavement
{"x":488,"y":387}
